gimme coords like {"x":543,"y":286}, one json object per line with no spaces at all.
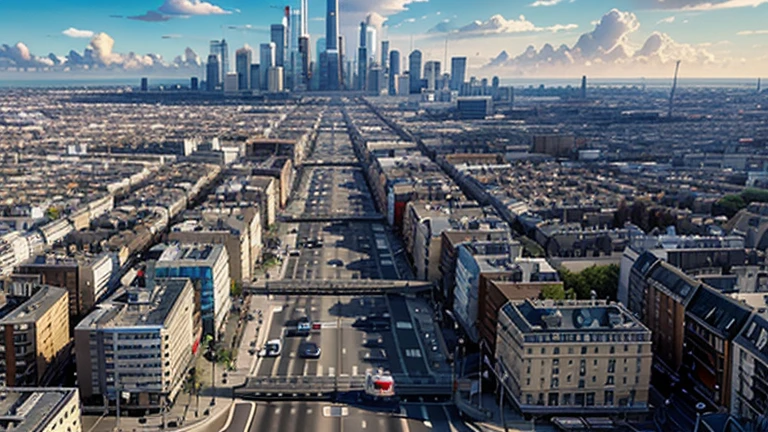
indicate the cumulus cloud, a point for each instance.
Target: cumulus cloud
{"x":191,"y":7}
{"x":99,"y":54}
{"x":497,"y":25}
{"x":150,"y":16}
{"x":607,"y":48}
{"x":667,"y":20}
{"x":383,"y":7}
{"x":75,"y":33}
{"x":697,"y":4}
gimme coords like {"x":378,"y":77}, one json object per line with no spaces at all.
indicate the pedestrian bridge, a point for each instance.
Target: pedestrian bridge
{"x":339,"y":287}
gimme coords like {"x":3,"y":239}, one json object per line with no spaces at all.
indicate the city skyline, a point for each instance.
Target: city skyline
{"x":544,"y":38}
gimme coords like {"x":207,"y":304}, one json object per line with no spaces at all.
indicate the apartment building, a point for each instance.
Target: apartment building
{"x":36,"y":409}
{"x":749,"y":374}
{"x":573,"y":358}
{"x":137,"y":344}
{"x":34,"y":337}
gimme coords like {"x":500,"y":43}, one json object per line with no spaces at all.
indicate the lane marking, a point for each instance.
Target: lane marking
{"x":365,"y":424}
{"x":331,"y":371}
{"x":319,"y":370}
{"x":354,"y":370}
{"x":306,"y":369}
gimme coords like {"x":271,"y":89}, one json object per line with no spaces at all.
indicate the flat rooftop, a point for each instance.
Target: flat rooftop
{"x":571,"y":316}
{"x":33,"y":308}
{"x":29,"y":409}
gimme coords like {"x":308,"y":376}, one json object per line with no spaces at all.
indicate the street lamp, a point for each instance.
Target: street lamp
{"x":501,"y":402}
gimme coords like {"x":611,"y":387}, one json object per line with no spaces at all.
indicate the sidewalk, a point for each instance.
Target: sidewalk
{"x":514,"y":421}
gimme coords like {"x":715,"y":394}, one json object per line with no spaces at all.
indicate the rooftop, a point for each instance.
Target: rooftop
{"x":29,"y":409}
{"x":34,"y":308}
{"x":575,"y":316}
{"x":188,"y":255}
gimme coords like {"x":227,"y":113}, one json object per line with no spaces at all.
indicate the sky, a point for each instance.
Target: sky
{"x":509,"y":38}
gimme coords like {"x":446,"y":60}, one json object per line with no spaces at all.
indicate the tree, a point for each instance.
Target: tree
{"x":728,"y":206}
{"x":552,"y":292}
{"x":603,"y":280}
{"x":236,"y":289}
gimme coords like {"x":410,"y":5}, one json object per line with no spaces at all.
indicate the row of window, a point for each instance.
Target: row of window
{"x":587,"y":337}
{"x":577,"y":399}
{"x":584,"y":350}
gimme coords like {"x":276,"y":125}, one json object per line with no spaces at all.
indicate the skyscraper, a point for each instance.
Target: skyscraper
{"x":384,"y":55}
{"x":221,"y":50}
{"x":293,"y":71}
{"x":458,"y":72}
{"x":371,"y":44}
{"x":243,"y":68}
{"x":331,"y":78}
{"x":304,"y":47}
{"x":394,"y":71}
{"x":432,"y":74}
{"x":278,"y":33}
{"x":362,"y":58}
{"x":144,"y":84}
{"x":332,"y":25}
{"x":212,"y":72}
{"x":414,"y":71}
{"x":266,"y":60}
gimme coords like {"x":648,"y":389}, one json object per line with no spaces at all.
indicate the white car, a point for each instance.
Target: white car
{"x":273,"y":348}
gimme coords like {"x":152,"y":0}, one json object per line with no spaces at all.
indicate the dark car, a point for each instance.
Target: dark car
{"x":336,"y":263}
{"x":373,"y":340}
{"x":309,"y":350}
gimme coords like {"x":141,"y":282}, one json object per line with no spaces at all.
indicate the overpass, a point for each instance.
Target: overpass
{"x":328,"y":387}
{"x":339,"y":287}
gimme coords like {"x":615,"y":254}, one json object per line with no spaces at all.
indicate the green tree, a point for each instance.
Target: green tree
{"x":729,"y":205}
{"x":552,"y":292}
{"x":603,"y":280}
{"x":53,"y":213}
{"x":235,"y":289}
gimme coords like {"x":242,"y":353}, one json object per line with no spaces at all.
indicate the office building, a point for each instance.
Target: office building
{"x":212,"y":73}
{"x":554,"y":145}
{"x":221,"y":50}
{"x":266,"y":61}
{"x":208,"y":267}
{"x":458,"y":72}
{"x":384,"y":62}
{"x":137,"y":345}
{"x":749,"y":376}
{"x":362,"y":59}
{"x":474,"y":107}
{"x":305,"y":63}
{"x":230,"y":83}
{"x":34,"y":344}
{"x":584,"y":87}
{"x":330,"y":73}
{"x":40,"y":409}
{"x":85,"y":277}
{"x":255,"y":77}
{"x":403,"y":84}
{"x":414,"y":72}
{"x":276,"y":79}
{"x":144,"y":84}
{"x":432,"y":75}
{"x":394,"y":71}
{"x":194,"y":83}
{"x":278,"y":36}
{"x":573,"y":358}
{"x":237,"y":228}
{"x":293,"y":68}
{"x":332,"y":25}
{"x":243,"y":68}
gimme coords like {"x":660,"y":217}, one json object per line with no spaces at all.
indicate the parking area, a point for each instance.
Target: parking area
{"x":354,"y":334}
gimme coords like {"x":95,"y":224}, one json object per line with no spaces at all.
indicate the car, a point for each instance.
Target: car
{"x":336,"y":263}
{"x":304,"y":324}
{"x":273,"y":348}
{"x":309,"y":350}
{"x":377,"y":355}
{"x":294,"y":253}
{"x":373,"y":340}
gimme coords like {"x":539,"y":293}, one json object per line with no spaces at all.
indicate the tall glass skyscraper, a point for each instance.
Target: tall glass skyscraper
{"x":332,"y":25}
{"x":394,"y":71}
{"x":414,"y":71}
{"x":458,"y":72}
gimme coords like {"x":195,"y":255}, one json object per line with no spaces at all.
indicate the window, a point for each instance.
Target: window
{"x":594,"y":378}
{"x":581,"y":383}
{"x":555,"y":371}
{"x":555,"y":382}
{"x":529,"y":369}
{"x":568,"y":378}
{"x":583,"y":350}
{"x":557,"y":351}
{"x":590,"y":399}
{"x":626,"y":348}
{"x":624,"y":380}
{"x":554,"y":398}
{"x":528,"y":399}
{"x":609,"y":380}
{"x":530,"y":350}
{"x":543,"y":350}
{"x":579,"y":399}
{"x":612,"y":350}
{"x":570,"y":351}
{"x":612,"y":366}
{"x":597,"y":350}
{"x":555,"y":362}
{"x":566,"y":399}
{"x":639,"y":349}
{"x":527,"y":381}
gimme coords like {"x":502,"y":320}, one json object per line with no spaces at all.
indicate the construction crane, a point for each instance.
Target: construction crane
{"x":672,"y":93}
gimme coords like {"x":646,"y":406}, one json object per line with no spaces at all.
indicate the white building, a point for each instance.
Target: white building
{"x":231,"y":83}
{"x":276,"y":79}
{"x":140,"y":343}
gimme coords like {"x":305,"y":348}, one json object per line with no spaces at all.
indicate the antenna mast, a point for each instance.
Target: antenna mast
{"x":672,"y":93}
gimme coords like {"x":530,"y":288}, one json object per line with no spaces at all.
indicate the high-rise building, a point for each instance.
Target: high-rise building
{"x":221,"y":50}
{"x":255,"y":77}
{"x":432,"y":74}
{"x":584,"y":87}
{"x":394,"y":71}
{"x":144,"y":84}
{"x":243,"y":68}
{"x":231,"y":82}
{"x":414,"y":71}
{"x":362,"y":58}
{"x":266,"y":61}
{"x":34,"y":337}
{"x":332,"y":25}
{"x":276,"y":79}
{"x":385,"y":55}
{"x":194,"y":83}
{"x":371,"y":43}
{"x":212,"y":73}
{"x":138,"y":344}
{"x":208,"y":267}
{"x":278,"y":37}
{"x":458,"y":72}
{"x":305,"y":66}
{"x":293,"y":69}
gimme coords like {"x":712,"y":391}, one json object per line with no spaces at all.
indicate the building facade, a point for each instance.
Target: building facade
{"x":40,"y":409}
{"x":573,"y":358}
{"x":140,"y":343}
{"x":34,"y":338}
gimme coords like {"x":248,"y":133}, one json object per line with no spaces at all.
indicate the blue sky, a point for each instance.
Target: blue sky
{"x":718,"y":37}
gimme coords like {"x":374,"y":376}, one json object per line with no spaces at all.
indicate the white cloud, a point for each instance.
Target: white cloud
{"x":539,"y":3}
{"x":667,"y":20}
{"x":75,"y":33}
{"x":606,"y":50}
{"x":383,"y":7}
{"x":191,"y":7}
{"x":497,"y":25}
{"x":752,"y":32}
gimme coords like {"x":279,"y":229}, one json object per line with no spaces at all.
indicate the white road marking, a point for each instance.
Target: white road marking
{"x":309,"y":410}
{"x":331,"y":371}
{"x":293,"y":410}
{"x":277,"y":410}
{"x":319,"y":370}
{"x":343,"y":351}
{"x":354,"y":370}
{"x":306,"y":368}
{"x":364,"y":425}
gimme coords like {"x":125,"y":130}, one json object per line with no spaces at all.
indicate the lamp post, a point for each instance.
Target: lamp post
{"x":501,"y":403}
